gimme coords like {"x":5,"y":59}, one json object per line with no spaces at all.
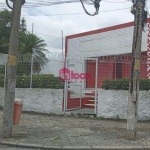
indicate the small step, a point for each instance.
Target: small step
{"x":90,"y":94}
{"x":89,"y":104}
{"x":87,"y":92}
{"x":71,"y":91}
{"x":91,"y":100}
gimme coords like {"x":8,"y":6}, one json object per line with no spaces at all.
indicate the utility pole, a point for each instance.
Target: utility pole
{"x":135,"y":73}
{"x":10,"y":83}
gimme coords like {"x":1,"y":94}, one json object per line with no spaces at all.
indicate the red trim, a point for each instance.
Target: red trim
{"x":101,"y":30}
{"x":120,"y":26}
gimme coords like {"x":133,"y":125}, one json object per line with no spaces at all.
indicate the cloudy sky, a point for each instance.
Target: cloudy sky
{"x":49,"y":21}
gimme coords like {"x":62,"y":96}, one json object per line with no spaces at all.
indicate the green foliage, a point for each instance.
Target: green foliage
{"x":99,"y":118}
{"x":2,"y":80}
{"x":5,"y":26}
{"x":118,"y":84}
{"x":28,"y":44}
{"x":2,"y":69}
{"x":23,"y":25}
{"x":145,"y":84}
{"x":23,"y":68}
{"x":39,"y":81}
{"x":123,"y":84}
{"x":118,"y":118}
{"x":31,"y":44}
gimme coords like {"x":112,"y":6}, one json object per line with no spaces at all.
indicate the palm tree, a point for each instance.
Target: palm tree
{"x":30,"y":44}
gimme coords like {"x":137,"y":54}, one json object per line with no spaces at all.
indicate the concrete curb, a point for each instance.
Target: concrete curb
{"x":44,"y":147}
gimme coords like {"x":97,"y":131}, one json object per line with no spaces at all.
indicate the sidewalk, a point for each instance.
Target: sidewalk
{"x":59,"y":132}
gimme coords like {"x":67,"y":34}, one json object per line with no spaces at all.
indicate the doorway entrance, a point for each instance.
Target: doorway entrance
{"x":80,"y":94}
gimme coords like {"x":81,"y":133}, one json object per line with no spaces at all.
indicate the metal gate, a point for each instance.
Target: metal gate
{"x":75,"y":84}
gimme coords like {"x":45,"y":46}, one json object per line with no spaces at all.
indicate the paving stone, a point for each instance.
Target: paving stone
{"x":45,"y":130}
{"x":76,"y":147}
{"x":133,"y":147}
{"x":106,"y":147}
{"x":147,"y":147}
{"x":117,"y":148}
{"x":51,"y":147}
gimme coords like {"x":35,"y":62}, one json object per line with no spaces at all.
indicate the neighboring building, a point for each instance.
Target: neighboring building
{"x":52,"y":67}
{"x":55,"y":63}
{"x":106,"y":44}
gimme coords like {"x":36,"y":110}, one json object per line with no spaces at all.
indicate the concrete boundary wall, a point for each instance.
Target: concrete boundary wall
{"x":113,"y":104}
{"x":38,"y":100}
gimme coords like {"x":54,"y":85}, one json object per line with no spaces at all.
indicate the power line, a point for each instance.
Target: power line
{"x":80,"y":13}
{"x":114,"y":2}
{"x":30,"y":3}
{"x":39,"y":3}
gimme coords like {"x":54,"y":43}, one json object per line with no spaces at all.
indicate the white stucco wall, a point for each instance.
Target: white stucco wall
{"x":114,"y":102}
{"x":39,"y":100}
{"x":112,"y":42}
{"x":52,"y":67}
{"x":3,"y":59}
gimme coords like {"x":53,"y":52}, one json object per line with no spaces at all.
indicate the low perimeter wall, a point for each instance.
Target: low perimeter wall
{"x":39,"y":100}
{"x":113,"y":103}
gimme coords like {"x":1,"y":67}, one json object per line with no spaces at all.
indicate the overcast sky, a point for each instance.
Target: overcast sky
{"x":71,"y":18}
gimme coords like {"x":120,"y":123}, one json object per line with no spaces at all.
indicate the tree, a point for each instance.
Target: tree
{"x":3,"y":42}
{"x":23,"y":25}
{"x":5,"y":27}
{"x":30,"y":44}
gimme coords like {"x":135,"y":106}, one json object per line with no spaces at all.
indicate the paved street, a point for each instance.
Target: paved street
{"x":52,"y":130}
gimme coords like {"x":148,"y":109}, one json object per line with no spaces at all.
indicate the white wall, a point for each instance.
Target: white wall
{"x":106,"y":43}
{"x":52,"y":67}
{"x":3,"y":59}
{"x":39,"y":100}
{"x":114,"y":102}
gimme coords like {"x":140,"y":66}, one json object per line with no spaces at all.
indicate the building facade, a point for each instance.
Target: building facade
{"x":106,"y":53}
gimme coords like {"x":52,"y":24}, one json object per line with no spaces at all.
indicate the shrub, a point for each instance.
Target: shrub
{"x":1,"y":80}
{"x":38,"y":81}
{"x":123,"y":84}
{"x":118,"y":118}
{"x":2,"y":69}
{"x":118,"y":84}
{"x":145,"y":84}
